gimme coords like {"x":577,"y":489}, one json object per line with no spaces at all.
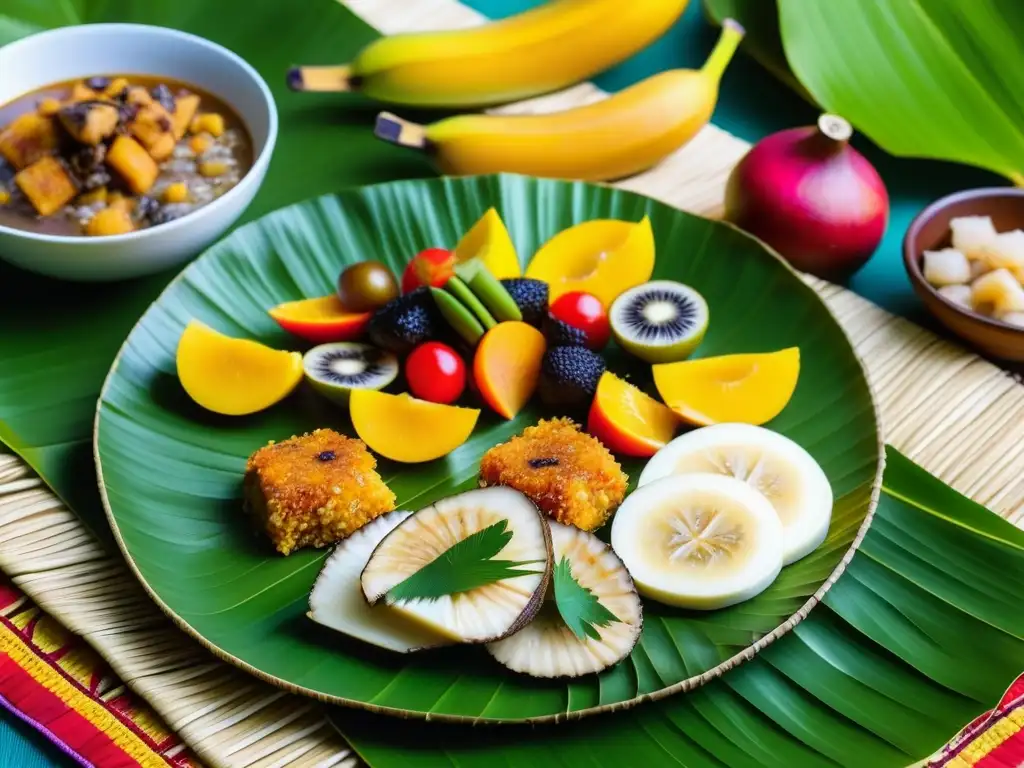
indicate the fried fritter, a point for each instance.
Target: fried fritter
{"x":567,"y":473}
{"x":314,"y":489}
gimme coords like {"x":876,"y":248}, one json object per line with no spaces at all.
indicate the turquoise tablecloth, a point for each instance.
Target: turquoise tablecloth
{"x":752,"y":104}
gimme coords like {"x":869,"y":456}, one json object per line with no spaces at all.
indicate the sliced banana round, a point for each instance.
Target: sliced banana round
{"x":547,"y":647}
{"x":699,"y":541}
{"x":337,"y":599}
{"x":769,"y":462}
{"x":482,"y":614}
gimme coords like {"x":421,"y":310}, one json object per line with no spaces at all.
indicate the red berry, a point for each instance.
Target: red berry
{"x":586,"y":312}
{"x":433,"y":267}
{"x":435,"y":372}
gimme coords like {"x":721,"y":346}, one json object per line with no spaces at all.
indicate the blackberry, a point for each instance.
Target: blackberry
{"x":405,"y":322}
{"x":560,"y":334}
{"x":531,"y":296}
{"x":569,"y":376}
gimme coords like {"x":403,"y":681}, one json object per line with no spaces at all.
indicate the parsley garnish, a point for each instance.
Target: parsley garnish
{"x":578,"y":606}
{"x":465,"y":566}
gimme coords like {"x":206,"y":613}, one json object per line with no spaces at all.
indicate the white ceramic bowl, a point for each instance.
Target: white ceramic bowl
{"x":69,"y":53}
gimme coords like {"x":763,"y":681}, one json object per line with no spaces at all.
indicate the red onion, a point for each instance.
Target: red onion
{"x":812,"y":197}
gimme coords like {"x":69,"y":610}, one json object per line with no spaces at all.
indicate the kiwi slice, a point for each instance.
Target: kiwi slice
{"x":334,"y":370}
{"x":458,"y":315}
{"x":661,"y":321}
{"x":489,"y":290}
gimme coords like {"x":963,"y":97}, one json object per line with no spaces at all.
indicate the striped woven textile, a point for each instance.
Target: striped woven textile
{"x":993,"y":740}
{"x":54,"y":681}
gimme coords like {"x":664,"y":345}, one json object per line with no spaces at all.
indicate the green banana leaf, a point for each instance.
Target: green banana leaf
{"x":930,"y":78}
{"x":67,"y":334}
{"x":172,"y":473}
{"x":882,"y":674}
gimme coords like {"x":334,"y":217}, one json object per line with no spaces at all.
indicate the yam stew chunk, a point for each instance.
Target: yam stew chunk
{"x":184,"y":111}
{"x":133,"y":163}
{"x":27,"y":139}
{"x":152,"y":128}
{"x":90,"y":122}
{"x":46,"y":185}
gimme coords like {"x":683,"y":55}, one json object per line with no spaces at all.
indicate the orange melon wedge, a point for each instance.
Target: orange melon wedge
{"x":320,"y":320}
{"x":751,"y":389}
{"x":603,"y":257}
{"x":234,"y":376}
{"x":627,"y":420}
{"x":488,"y":240}
{"x":506,"y":367}
{"x":403,"y":428}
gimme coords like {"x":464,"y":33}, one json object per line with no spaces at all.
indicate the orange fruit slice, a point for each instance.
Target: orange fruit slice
{"x":403,"y":428}
{"x":321,"y":320}
{"x":603,"y":257}
{"x":488,"y":240}
{"x":506,"y":367}
{"x":750,"y":389}
{"x":234,"y":376}
{"x":627,"y":420}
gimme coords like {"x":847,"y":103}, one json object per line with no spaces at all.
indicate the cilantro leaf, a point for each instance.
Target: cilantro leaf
{"x":465,"y":566}
{"x":580,"y":609}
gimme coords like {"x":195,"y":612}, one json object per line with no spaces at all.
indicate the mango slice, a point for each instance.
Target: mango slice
{"x":320,"y":320}
{"x":403,"y":428}
{"x":234,"y":377}
{"x":507,"y":364}
{"x":627,"y":420}
{"x":751,"y":389}
{"x":488,"y":240}
{"x":603,"y":257}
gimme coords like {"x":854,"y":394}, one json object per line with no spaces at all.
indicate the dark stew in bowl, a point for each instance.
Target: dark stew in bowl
{"x":112,"y":154}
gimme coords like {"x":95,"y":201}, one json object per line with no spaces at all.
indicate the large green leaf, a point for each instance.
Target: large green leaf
{"x":67,"y":334}
{"x":880,"y":675}
{"x":921,"y":78}
{"x":172,"y":473}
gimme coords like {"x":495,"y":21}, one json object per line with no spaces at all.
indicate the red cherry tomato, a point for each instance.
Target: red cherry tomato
{"x":435,"y":372}
{"x":586,"y":312}
{"x":432,"y":267}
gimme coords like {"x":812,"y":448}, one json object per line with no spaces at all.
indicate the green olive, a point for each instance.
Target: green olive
{"x":365,"y":286}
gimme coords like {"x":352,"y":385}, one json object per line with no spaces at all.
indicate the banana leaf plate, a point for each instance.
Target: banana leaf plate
{"x":170,"y":473}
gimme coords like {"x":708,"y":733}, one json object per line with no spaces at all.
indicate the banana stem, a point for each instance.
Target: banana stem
{"x":322,"y":79}
{"x":395,"y":130}
{"x":728,"y":41}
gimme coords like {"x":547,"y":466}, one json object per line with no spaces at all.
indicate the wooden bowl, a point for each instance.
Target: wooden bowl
{"x":929,"y":231}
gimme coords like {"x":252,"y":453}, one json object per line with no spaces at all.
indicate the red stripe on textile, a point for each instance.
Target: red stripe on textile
{"x":67,"y":727}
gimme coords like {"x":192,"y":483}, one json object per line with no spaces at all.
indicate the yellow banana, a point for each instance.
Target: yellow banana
{"x":610,"y":139}
{"x":538,"y":51}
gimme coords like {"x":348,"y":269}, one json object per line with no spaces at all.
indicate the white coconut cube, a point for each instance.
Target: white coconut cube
{"x":1005,"y":250}
{"x":972,"y":233}
{"x":998,"y":290}
{"x":958,"y":294}
{"x":946,"y":267}
{"x":1013,"y":318}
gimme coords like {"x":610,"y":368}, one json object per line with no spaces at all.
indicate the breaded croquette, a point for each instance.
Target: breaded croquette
{"x":567,"y":473}
{"x":314,"y":489}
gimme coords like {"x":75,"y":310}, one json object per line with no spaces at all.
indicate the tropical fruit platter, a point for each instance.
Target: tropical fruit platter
{"x":493,"y":448}
{"x":423,"y":408}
